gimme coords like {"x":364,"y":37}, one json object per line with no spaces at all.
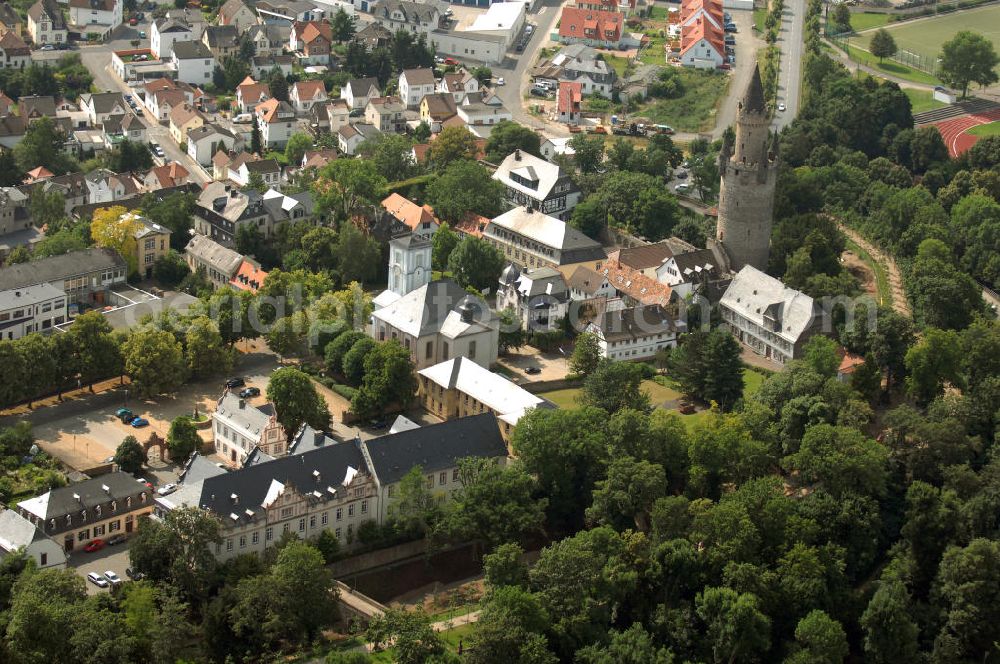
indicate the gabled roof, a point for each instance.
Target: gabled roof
{"x":230,"y":9}
{"x":575,"y":24}
{"x":249,"y":276}
{"x":252,"y":91}
{"x":182,"y":114}
{"x":585,"y":280}
{"x":225,"y":260}
{"x":222,"y":36}
{"x":263,"y":166}
{"x":423,"y":76}
{"x":8,"y":15}
{"x":318,"y":158}
{"x":435,"y":447}
{"x":191,"y":50}
{"x":99,"y":5}
{"x":306,"y":90}
{"x":407,"y":211}
{"x":103,"y":102}
{"x":526,"y":166}
{"x":13,"y":45}
{"x":360,"y":87}
{"x":767,"y":302}
{"x":56,"y":268}
{"x":440,"y":105}
{"x":16,"y":532}
{"x":570,"y":96}
{"x":506,"y":399}
{"x":413,"y":12}
{"x":163,"y":25}
{"x":694,"y":263}
{"x":271,"y":110}
{"x":208,"y":131}
{"x":548,"y":231}
{"x":702,"y":29}
{"x":644,"y":256}
{"x":635,"y":322}
{"x":313,"y":30}
{"x":51,"y":10}
{"x":424,"y":310}
{"x":171,"y":98}
{"x":75,"y":497}
{"x":169,"y":175}
{"x":31,"y":106}
{"x":635,"y":284}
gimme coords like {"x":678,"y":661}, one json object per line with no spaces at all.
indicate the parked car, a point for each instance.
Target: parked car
{"x":97,"y":580}
{"x":115,"y":540}
{"x":730,"y":40}
{"x":781,"y":107}
{"x":48,"y":47}
{"x":451,"y":61}
{"x":112,"y":577}
{"x":142,"y":34}
{"x":686,"y":408}
{"x":681,"y":175}
{"x":682,"y":188}
{"x":235,"y":382}
{"x":134,"y":574}
{"x":533,"y":371}
{"x":123,"y":412}
{"x":139,"y":422}
{"x":143,"y":480}
{"x":94,"y":545}
{"x":248,"y":392}
{"x":539,"y":92}
{"x":731,"y":27}
{"x":133,"y":21}
{"x":378,"y":424}
{"x":167,"y":489}
{"x":500,"y":81}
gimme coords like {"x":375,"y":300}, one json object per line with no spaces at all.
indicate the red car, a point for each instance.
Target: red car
{"x":450,"y":61}
{"x":94,"y":545}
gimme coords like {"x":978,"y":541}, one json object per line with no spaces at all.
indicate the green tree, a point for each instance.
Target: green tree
{"x":932,"y":362}
{"x":183,"y":439}
{"x":736,"y":629}
{"x":821,"y":638}
{"x":444,"y":242}
{"x":842,"y":459}
{"x":392,"y":155}
{"x":508,"y":136}
{"x":96,"y":352}
{"x":43,"y":609}
{"x":342,"y":25}
{"x":495,"y":505}
{"x":633,"y":646}
{"x":205,"y":350}
{"x":966,"y":58}
{"x":349,"y":185}
{"x":452,"y":144}
{"x":354,"y":360}
{"x":417,"y":510}
{"x":129,"y":455}
{"x":588,"y":152}
{"x":42,"y":145}
{"x":511,"y":332}
{"x":638,"y":203}
{"x":338,"y":348}
{"x":841,"y":17}
{"x":304,"y":590}
{"x":465,"y":187}
{"x":389,"y":378}
{"x":409,"y":633}
{"x":154,"y":360}
{"x":969,"y":587}
{"x":624,"y":499}
{"x":47,"y":208}
{"x":256,"y":141}
{"x":178,"y":549}
{"x":296,"y":401}
{"x":358,"y":256}
{"x":297,"y":145}
{"x":37,"y":353}
{"x":170,"y":269}
{"x":722,"y":380}
{"x":589,"y":216}
{"x":567,"y":451}
{"x":475,"y":262}
{"x":510,"y":628}
{"x":612,"y":386}
{"x":890,"y":633}
{"x":586,"y":355}
{"x":504,"y":567}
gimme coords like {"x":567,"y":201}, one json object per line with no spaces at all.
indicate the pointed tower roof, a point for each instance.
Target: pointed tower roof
{"x":753,"y":100}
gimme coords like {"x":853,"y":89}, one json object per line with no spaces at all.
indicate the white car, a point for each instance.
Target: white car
{"x":500,"y":81}
{"x":683,"y":187}
{"x":167,"y":489}
{"x":781,"y":106}
{"x":97,"y":580}
{"x":112,"y":578}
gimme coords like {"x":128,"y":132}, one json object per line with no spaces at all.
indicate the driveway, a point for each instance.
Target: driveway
{"x":552,"y":366}
{"x":113,"y":558}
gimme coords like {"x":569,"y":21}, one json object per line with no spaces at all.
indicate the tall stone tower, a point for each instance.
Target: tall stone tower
{"x":746,"y":196}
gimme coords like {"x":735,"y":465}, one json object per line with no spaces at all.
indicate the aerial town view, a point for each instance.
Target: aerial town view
{"x":499,"y":332}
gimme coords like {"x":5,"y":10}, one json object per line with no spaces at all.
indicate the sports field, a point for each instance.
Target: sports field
{"x":924,"y":36}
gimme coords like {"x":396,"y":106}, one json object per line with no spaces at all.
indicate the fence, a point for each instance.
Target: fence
{"x":918,"y":61}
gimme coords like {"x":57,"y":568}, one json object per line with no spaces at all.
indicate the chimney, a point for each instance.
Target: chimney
{"x":466,"y":312}
{"x":235,"y":498}
{"x":106,"y":489}
{"x":517,"y":154}
{"x":243,"y":404}
{"x":77,"y":498}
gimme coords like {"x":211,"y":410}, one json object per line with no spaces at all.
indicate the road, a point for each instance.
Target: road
{"x":747,"y":45}
{"x":790,"y":41}
{"x":516,"y":69}
{"x":97,"y":60}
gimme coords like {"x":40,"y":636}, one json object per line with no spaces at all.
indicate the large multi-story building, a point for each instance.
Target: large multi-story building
{"x":635,"y":333}
{"x":149,"y":243}
{"x":768,"y":317}
{"x":326,"y":485}
{"x":46,"y":24}
{"x":239,"y":427}
{"x":85,"y":275}
{"x":531,"y":238}
{"x":37,"y":308}
{"x":749,"y":172}
{"x":537,"y":183}
{"x":93,"y":509}
{"x":538,"y":298}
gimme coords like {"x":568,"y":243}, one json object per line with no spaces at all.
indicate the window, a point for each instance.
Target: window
{"x":229,"y":545}
{"x":472,"y":350}
{"x":83,"y":535}
{"x":256,"y":537}
{"x":325,"y":518}
{"x":454,"y":475}
{"x":286,"y":512}
{"x":114,"y":525}
{"x":391,"y":491}
{"x":430,"y":349}
{"x":337,"y":533}
{"x":44,"y":559}
{"x":302,"y":525}
{"x":430,"y":481}
{"x":364,"y":506}
{"x":269,"y":534}
{"x":98,"y":531}
{"x":243,"y":541}
{"x":443,"y":477}
{"x":350,"y":510}
{"x":340,"y":513}
{"x":285,"y":528}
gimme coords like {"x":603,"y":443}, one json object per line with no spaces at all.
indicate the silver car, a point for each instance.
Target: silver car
{"x":112,"y":578}
{"x":97,"y":580}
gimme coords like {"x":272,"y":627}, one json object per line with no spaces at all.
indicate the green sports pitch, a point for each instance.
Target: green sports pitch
{"x":924,"y":36}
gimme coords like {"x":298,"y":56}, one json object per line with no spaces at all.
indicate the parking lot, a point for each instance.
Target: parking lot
{"x":113,"y":558}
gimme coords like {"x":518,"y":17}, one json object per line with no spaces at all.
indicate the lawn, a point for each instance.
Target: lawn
{"x":695,"y":110}
{"x":926,"y":35}
{"x":881,"y":276}
{"x":653,"y":53}
{"x":991,"y":129}
{"x":759,"y":16}
{"x":889,"y":66}
{"x":618,"y":63}
{"x":868,"y":21}
{"x":922,"y":100}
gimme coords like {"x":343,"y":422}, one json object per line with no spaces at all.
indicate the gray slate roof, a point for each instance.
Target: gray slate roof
{"x":435,"y":447}
{"x":225,"y":260}
{"x":770,"y":304}
{"x":60,"y":502}
{"x":191,"y":50}
{"x":55,"y":268}
{"x":635,"y":322}
{"x":16,"y":531}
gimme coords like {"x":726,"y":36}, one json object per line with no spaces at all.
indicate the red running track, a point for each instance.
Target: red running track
{"x":953,"y":130}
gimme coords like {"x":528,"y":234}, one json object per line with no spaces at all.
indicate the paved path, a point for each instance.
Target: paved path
{"x":853,"y":67}
{"x":457,"y":621}
{"x":899,"y":301}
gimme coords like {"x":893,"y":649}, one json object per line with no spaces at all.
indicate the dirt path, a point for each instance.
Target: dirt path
{"x":899,"y":301}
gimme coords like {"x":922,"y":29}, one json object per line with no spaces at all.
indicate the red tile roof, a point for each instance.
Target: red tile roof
{"x":472,"y":224}
{"x":570,"y":96}
{"x":635,"y":284}
{"x":248,"y":277}
{"x":305,"y":90}
{"x":407,"y":211}
{"x":702,"y":29}
{"x":712,"y":7}
{"x":605,"y":26}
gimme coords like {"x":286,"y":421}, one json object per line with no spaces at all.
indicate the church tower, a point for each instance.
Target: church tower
{"x":748,"y":170}
{"x":409,"y":263}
